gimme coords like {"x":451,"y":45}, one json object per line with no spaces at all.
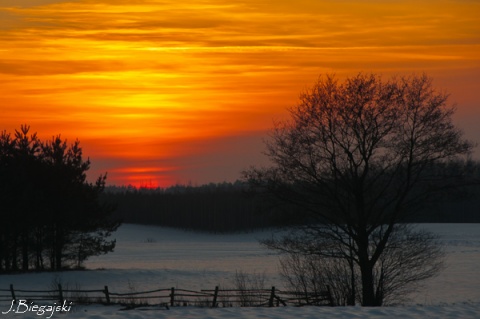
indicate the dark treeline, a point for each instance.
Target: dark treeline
{"x":224,"y":207}
{"x":51,"y":217}
{"x":458,"y":205}
{"x":230,"y":207}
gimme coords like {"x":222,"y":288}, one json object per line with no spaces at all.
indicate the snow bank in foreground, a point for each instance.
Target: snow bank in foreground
{"x":149,"y":257}
{"x":464,"y":311}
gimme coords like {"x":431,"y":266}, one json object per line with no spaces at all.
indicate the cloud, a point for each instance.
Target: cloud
{"x":154,"y":79}
{"x":29,"y":3}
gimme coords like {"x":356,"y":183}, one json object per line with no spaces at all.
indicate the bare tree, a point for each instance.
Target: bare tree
{"x":250,"y":287}
{"x":311,"y":275}
{"x":356,"y":158}
{"x":410,"y":256}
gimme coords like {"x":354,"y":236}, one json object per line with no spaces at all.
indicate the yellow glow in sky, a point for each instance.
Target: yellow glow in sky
{"x":162,"y":92}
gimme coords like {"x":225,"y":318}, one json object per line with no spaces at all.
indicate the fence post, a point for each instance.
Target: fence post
{"x":272,"y":295}
{"x":13,"y":294}
{"x":107,"y":295}
{"x":215,"y":295}
{"x":60,"y":293}
{"x":172,"y":297}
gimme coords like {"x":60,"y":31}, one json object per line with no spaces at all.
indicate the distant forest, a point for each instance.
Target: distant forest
{"x":234,"y":207}
{"x":223,"y":207}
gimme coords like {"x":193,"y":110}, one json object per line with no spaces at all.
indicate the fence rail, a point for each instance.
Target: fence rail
{"x":172,"y":297}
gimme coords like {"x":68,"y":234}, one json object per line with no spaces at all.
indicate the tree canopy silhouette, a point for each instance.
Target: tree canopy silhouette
{"x":356,"y":159}
{"x":49,"y":210}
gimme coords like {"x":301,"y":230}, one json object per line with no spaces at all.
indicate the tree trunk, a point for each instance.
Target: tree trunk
{"x":38,"y":250}
{"x":24,"y":257}
{"x":366,"y":272}
{"x":2,"y":252}
{"x":368,"y":289}
{"x":351,"y":298}
{"x":25,"y":250}
{"x":14,"y":259}
{"x":58,"y":248}
{"x":351,"y":265}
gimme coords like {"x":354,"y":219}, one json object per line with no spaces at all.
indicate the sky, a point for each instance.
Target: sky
{"x":163,"y":92}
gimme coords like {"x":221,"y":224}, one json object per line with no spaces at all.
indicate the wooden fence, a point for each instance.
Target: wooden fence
{"x":173,"y":297}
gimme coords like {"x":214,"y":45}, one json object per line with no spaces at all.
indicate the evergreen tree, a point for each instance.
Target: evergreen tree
{"x":49,"y":208}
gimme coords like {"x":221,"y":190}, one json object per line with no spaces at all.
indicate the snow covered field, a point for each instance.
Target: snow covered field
{"x":150,"y":257}
{"x":413,"y":312}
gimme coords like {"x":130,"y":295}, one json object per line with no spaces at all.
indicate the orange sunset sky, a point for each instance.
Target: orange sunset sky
{"x":161,"y":92}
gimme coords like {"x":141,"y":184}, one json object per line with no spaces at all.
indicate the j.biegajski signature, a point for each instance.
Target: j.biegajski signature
{"x":24,"y":306}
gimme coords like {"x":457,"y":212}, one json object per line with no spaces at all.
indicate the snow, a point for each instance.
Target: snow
{"x":464,"y":311}
{"x":150,"y":257}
